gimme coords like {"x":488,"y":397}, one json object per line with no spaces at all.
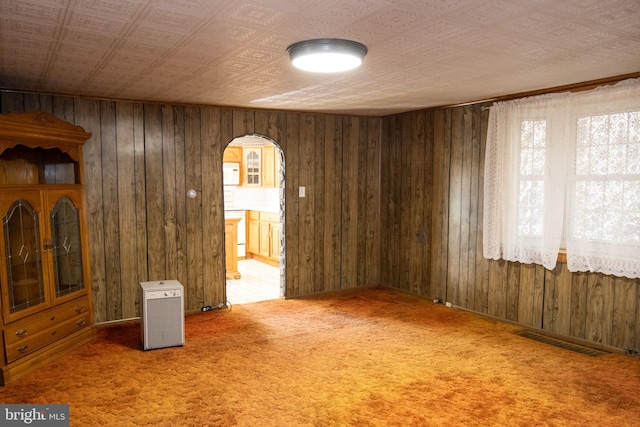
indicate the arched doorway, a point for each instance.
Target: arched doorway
{"x":253,"y":168}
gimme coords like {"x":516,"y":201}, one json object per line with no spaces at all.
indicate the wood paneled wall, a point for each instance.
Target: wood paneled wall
{"x":395,"y":201}
{"x":143,"y":158}
{"x":432,"y":199}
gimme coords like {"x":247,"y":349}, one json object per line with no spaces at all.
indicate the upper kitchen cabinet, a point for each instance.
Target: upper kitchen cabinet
{"x":270,"y":166}
{"x":252,"y":166}
{"x":232,"y":154}
{"x":260,"y":166}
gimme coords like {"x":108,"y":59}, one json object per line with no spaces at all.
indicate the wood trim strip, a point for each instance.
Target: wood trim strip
{"x":574,"y":87}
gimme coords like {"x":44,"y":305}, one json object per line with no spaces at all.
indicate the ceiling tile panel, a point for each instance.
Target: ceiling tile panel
{"x":346,"y":11}
{"x":257,"y":14}
{"x":620,"y":14}
{"x":488,"y":12}
{"x":164,"y":36}
{"x":21,"y":57}
{"x":171,"y":18}
{"x":422,"y":53}
{"x":28,"y":28}
{"x":438,"y":7}
{"x":148,"y":49}
{"x":49,"y":12}
{"x":93,"y":41}
{"x":304,"y":27}
{"x":96,"y":24}
{"x":530,"y":25}
{"x":27,"y":44}
{"x":121,"y":9}
{"x":580,"y":7}
{"x":391,"y":19}
{"x":440,"y":30}
{"x":227,"y":32}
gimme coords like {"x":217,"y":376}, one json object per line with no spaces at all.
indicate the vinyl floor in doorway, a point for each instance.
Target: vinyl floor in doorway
{"x":258,"y":282}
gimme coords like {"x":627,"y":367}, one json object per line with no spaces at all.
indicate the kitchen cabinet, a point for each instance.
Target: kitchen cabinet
{"x":260,"y":166}
{"x":252,"y":166}
{"x":241,"y":230}
{"x":274,"y":248}
{"x":270,"y":235}
{"x":264,"y":237}
{"x":253,"y":234}
{"x":270,"y":166}
{"x":231,"y":247}
{"x":232,"y":154}
{"x":44,"y":277}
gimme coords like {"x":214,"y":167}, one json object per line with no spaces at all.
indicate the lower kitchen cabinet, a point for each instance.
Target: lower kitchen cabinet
{"x":253,"y":234}
{"x":264,"y":237}
{"x":231,"y":247}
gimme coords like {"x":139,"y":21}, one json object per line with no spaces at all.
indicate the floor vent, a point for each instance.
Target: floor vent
{"x":562,"y":344}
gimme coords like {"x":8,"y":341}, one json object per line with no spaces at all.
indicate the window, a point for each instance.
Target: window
{"x":564,"y":171}
{"x":532,"y":174}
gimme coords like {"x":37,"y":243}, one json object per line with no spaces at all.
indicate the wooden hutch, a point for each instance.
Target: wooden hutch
{"x":45,"y":295}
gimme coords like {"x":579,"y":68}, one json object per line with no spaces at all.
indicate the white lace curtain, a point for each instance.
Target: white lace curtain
{"x":563,"y":171}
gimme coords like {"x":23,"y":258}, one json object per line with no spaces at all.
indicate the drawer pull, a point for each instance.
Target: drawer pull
{"x":53,"y":332}
{"x":79,"y":309}
{"x":22,"y":348}
{"x":21,"y":332}
{"x":52,"y":318}
{"x":81,"y":322}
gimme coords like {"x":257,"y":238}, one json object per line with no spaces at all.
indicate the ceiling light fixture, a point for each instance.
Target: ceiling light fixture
{"x":327,"y":55}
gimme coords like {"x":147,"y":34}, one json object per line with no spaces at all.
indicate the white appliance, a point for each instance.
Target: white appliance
{"x":231,"y":173}
{"x":242,"y":230}
{"x":162,"y":314}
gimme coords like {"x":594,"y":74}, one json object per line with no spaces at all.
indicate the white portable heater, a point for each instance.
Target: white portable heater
{"x":162,"y":314}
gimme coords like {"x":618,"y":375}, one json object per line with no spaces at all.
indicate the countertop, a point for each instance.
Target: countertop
{"x":267,"y":209}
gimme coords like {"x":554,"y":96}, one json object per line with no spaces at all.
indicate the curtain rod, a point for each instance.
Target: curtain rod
{"x":574,"y":87}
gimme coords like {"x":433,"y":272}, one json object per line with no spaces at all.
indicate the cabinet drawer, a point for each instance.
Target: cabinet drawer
{"x":268,"y":216}
{"x":25,"y":328}
{"x":53,"y":333}
{"x":254,"y":214}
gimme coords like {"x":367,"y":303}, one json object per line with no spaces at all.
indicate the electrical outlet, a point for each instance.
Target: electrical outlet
{"x":632,"y":352}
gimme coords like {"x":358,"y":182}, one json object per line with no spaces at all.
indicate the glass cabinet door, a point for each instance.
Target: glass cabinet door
{"x":66,"y":247}
{"x":253,"y":166}
{"x":23,"y":258}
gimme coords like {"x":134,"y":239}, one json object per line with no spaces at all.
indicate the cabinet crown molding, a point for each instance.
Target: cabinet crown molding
{"x":36,"y":129}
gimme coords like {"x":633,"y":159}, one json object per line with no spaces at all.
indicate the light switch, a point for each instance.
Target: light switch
{"x":301,"y":191}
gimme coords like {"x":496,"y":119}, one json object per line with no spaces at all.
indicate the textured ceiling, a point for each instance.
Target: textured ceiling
{"x":422,"y":53}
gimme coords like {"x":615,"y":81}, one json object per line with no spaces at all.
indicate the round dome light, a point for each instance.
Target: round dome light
{"x":327,"y":55}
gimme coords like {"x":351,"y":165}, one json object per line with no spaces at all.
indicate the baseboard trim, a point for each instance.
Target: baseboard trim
{"x":574,"y":340}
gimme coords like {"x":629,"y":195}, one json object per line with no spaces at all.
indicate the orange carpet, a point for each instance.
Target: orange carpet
{"x":372,"y":357}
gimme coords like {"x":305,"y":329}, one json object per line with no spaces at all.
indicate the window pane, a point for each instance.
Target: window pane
{"x":607,"y":191}
{"x":633,"y":159}
{"x":531,"y":201}
{"x":532,"y":165}
{"x":608,"y":144}
{"x":526,"y":161}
